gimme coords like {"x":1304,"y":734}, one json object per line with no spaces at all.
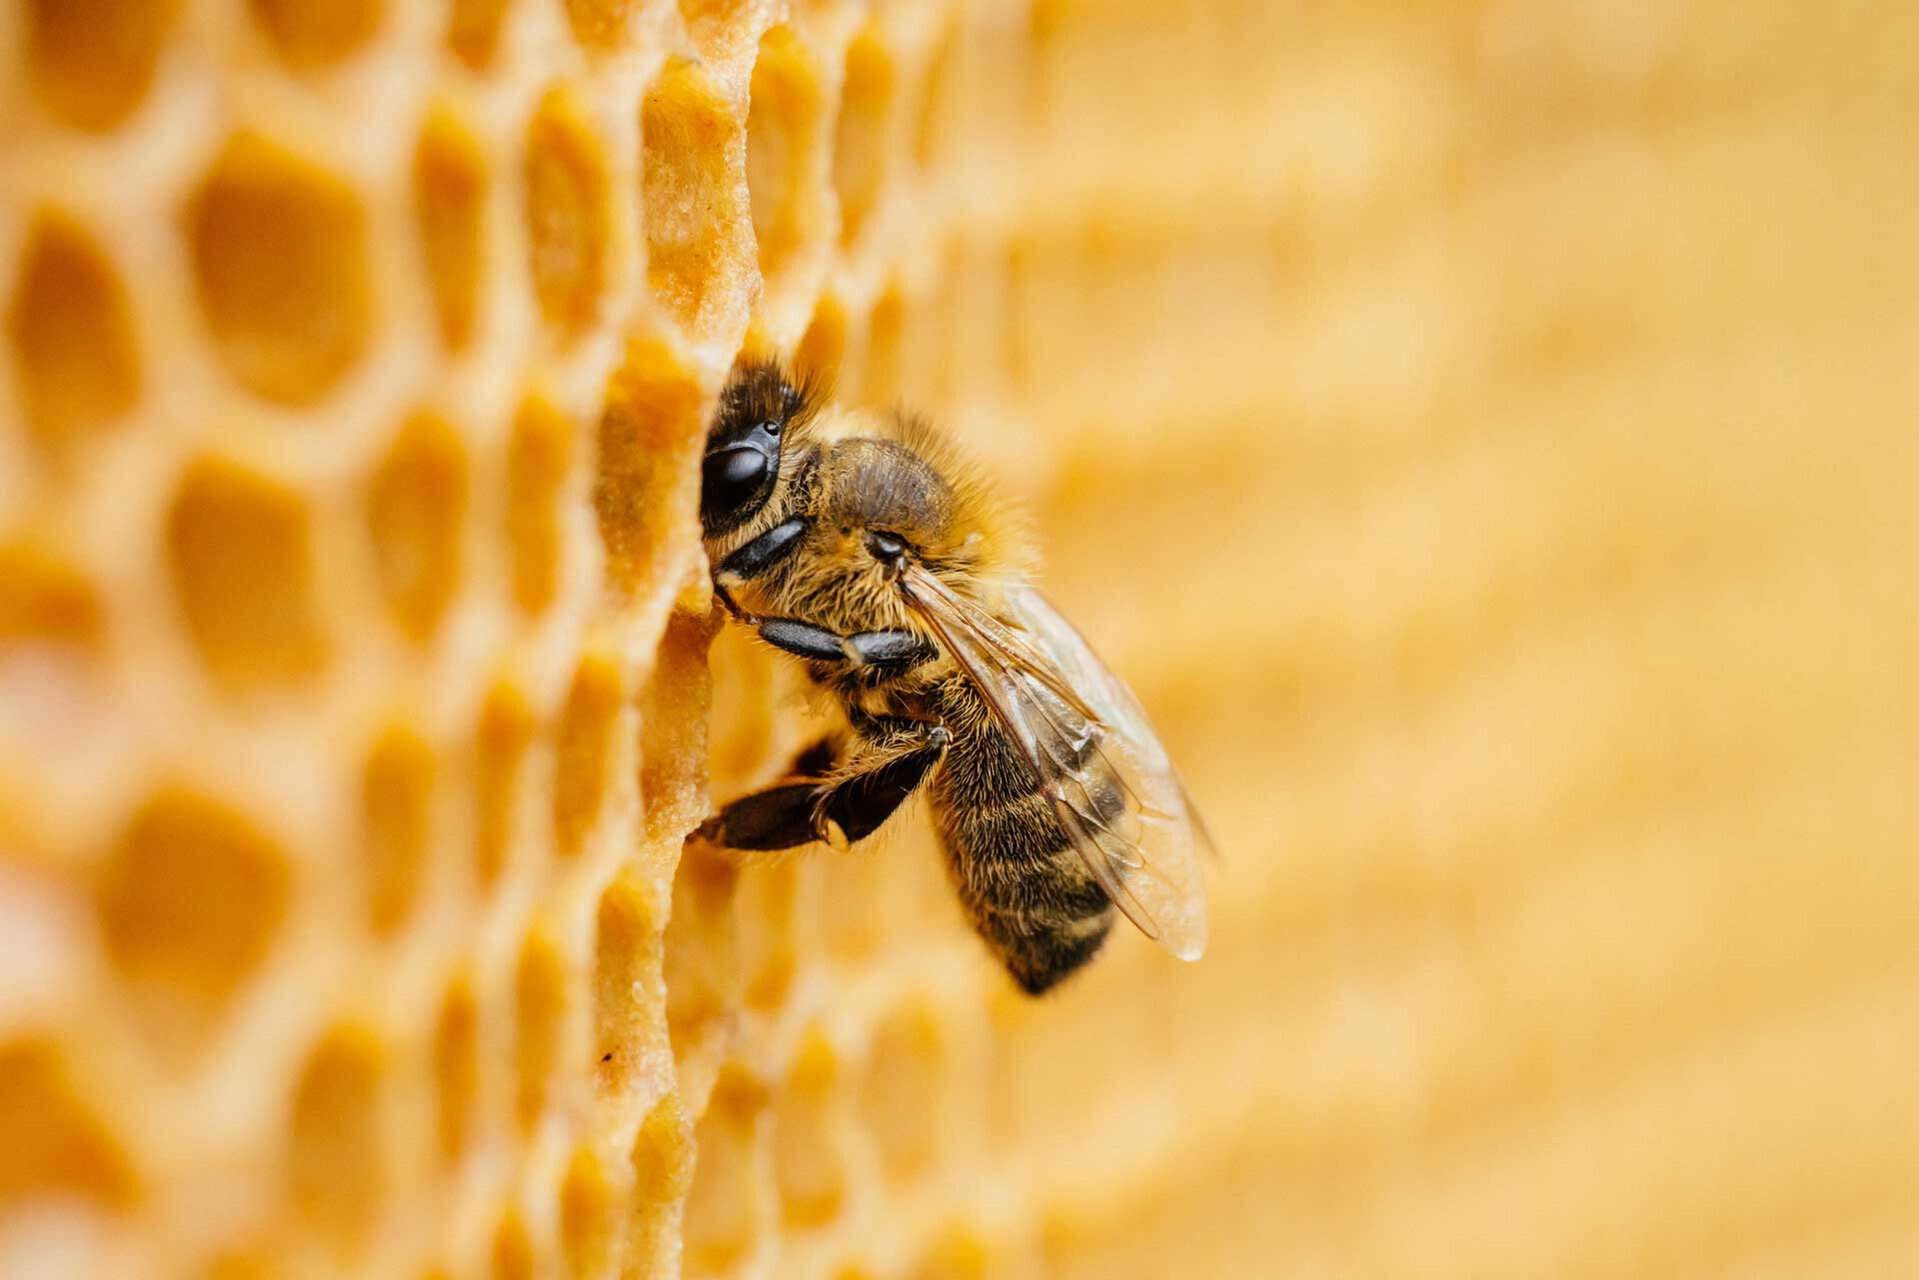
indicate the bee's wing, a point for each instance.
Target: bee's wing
{"x":1073,"y":719}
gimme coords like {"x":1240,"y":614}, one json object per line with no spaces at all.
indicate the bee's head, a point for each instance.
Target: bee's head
{"x":757,"y":410}
{"x":889,"y":504}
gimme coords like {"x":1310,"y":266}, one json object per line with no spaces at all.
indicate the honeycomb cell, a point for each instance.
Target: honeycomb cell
{"x":56,"y":1144}
{"x":189,"y":900}
{"x":957,"y":1253}
{"x":92,"y":61}
{"x":807,"y":1160}
{"x":663,"y":1159}
{"x":860,"y":138}
{"x":539,"y":460}
{"x":673,"y":730}
{"x":935,"y":122}
{"x":72,"y":336}
{"x":514,"y":1257}
{"x":725,"y":1218}
{"x":539,"y":999}
{"x":603,"y":23}
{"x":900,"y":1094}
{"x":280,"y":267}
{"x":702,"y":953}
{"x":336,"y":1170}
{"x":782,"y":139}
{"x":627,"y":992}
{"x":566,"y":214}
{"x":246,"y":1262}
{"x":583,"y":743}
{"x":473,"y":31}
{"x":768,"y":900}
{"x":646,"y":493}
{"x":456,"y":1069}
{"x":241,"y":557}
{"x":416,"y":504}
{"x":504,"y":733}
{"x":883,"y":350}
{"x":449,"y":199}
{"x":44,"y":600}
{"x":822,"y":348}
{"x":698,"y":231}
{"x":309,"y":34}
{"x":586,"y":1217}
{"x":396,"y":792}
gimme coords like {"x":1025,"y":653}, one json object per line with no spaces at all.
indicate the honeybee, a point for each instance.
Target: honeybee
{"x":878,"y":556}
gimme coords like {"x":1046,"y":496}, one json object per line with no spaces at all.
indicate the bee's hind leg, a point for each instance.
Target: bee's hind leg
{"x":838,"y":811}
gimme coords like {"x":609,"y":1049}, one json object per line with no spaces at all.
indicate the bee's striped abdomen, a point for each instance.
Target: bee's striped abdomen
{"x":1027,"y":889}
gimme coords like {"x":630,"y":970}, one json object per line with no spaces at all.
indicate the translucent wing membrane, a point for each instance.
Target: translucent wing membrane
{"x":1086,"y":738}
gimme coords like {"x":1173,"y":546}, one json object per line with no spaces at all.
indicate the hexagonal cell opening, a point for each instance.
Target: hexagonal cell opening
{"x":539,"y":999}
{"x":663,"y":1159}
{"x":884,"y":342}
{"x":449,"y":199}
{"x":692,"y":187}
{"x":673,"y":730}
{"x":242,"y":564}
{"x":416,"y":504}
{"x":189,"y":900}
{"x":72,"y":336}
{"x":934,"y":125}
{"x":92,"y":61}
{"x":566,"y":214}
{"x":702,"y":962}
{"x":309,"y":34}
{"x":782,"y":138}
{"x":57,"y":1145}
{"x":646,"y":493}
{"x":473,"y":31}
{"x":504,"y":733}
{"x":860,"y":137}
{"x":514,"y":1257}
{"x":280,"y":264}
{"x":396,"y":792}
{"x":336,"y":1170}
{"x":539,"y":462}
{"x":583,"y":747}
{"x":957,"y":1253}
{"x":456,"y":1069}
{"x":45,"y":600}
{"x":601,"y":22}
{"x":901,"y":1094}
{"x":725,"y":1214}
{"x":586,"y":1216}
{"x":822,"y":348}
{"x":628,"y":991}
{"x":807,"y":1160}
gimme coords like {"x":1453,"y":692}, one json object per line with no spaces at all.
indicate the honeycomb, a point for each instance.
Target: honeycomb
{"x":1483,"y":432}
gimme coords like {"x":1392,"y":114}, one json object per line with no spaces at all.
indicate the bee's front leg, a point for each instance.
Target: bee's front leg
{"x":754,"y":559}
{"x":892,"y":649}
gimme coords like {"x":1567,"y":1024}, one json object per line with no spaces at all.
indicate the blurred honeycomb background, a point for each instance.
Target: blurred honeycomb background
{"x":1484,"y":433}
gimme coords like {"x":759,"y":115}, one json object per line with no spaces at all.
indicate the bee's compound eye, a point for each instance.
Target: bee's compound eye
{"x":731,"y":477}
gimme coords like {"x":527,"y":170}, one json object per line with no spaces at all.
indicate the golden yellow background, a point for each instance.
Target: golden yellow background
{"x":1484,"y":433}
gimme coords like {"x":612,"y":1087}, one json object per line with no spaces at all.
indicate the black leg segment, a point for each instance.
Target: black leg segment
{"x":751,"y":559}
{"x":892,"y":650}
{"x":777,"y":818}
{"x":862,"y":803}
{"x":796,"y":813}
